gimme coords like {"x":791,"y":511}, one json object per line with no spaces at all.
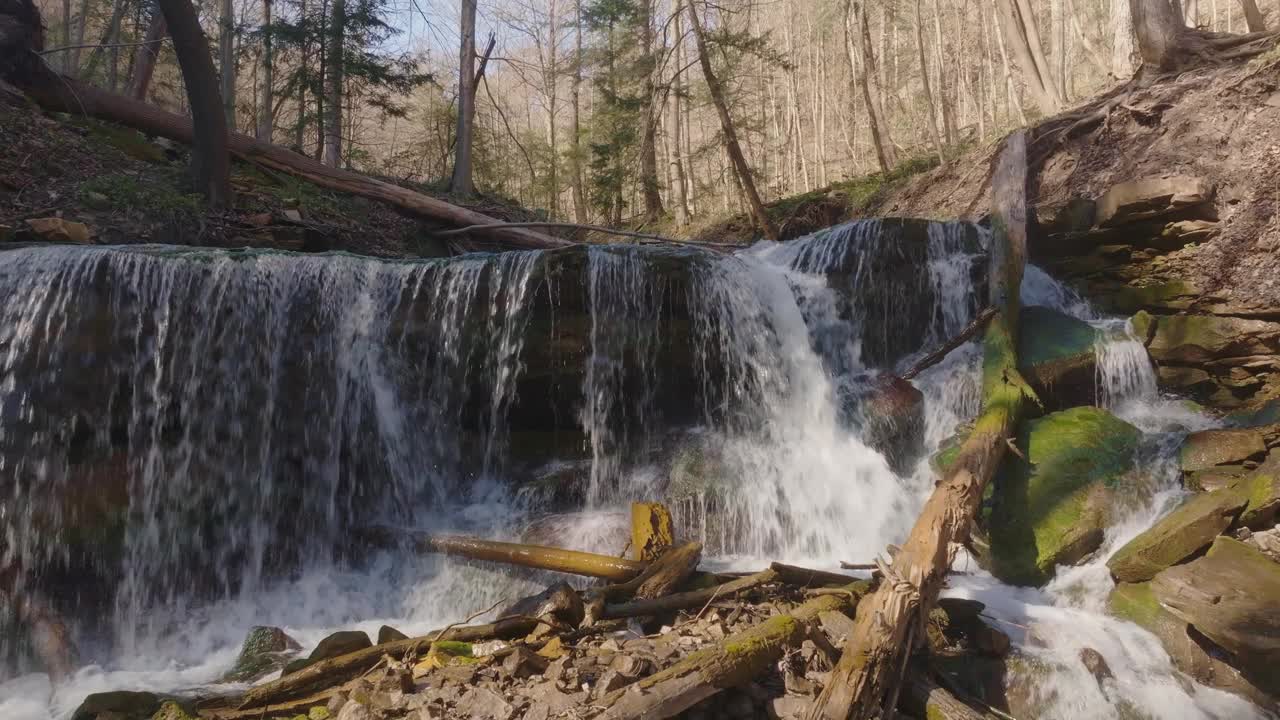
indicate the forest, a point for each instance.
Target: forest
{"x":639,"y":359}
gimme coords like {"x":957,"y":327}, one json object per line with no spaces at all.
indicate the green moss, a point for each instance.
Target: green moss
{"x":455,"y":648}
{"x":128,"y":141}
{"x":1046,"y":336}
{"x":319,"y":712}
{"x":127,"y":192}
{"x":778,"y":626}
{"x":171,"y":710}
{"x":1051,"y":507}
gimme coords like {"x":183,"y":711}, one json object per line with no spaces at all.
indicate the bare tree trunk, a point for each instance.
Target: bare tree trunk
{"x":210,"y":162}
{"x":730,"y":134}
{"x":677,"y":140}
{"x":82,"y":25}
{"x":1008,"y":76}
{"x":579,"y":194}
{"x":1253,"y":16}
{"x":66,"y":37}
{"x":147,"y":55}
{"x":857,"y":34}
{"x":266,"y":119}
{"x":334,"y":82}
{"x":924,"y":80}
{"x":1017,"y":34}
{"x":462,"y":183}
{"x":227,"y":59}
{"x":653,"y":209}
{"x":1191,"y":13}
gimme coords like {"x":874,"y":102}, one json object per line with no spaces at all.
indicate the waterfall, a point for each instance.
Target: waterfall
{"x":188,"y":436}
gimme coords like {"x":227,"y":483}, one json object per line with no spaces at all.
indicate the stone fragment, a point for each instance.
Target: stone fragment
{"x":523,"y":662}
{"x":1095,"y":664}
{"x":481,"y":703}
{"x":387,"y":634}
{"x":56,"y":229}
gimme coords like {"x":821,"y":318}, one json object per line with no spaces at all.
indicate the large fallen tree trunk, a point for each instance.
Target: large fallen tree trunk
{"x":866,"y":681}
{"x":739,"y":659}
{"x":21,"y":39}
{"x":538,"y":557}
{"x":687,"y":600}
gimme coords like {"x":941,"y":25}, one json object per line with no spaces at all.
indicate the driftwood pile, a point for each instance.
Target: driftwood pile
{"x":656,"y":638}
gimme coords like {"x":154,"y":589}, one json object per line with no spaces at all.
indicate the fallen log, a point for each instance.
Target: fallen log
{"x":538,"y":557}
{"x":663,"y":575}
{"x":337,"y":670}
{"x":808,"y":577}
{"x":740,"y":658}
{"x":21,"y":35}
{"x":686,"y":600}
{"x":651,"y":530}
{"x":866,"y":680}
{"x":961,"y":338}
{"x":922,"y":697}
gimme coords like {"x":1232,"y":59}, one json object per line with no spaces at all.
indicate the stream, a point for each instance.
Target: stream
{"x":188,"y":436}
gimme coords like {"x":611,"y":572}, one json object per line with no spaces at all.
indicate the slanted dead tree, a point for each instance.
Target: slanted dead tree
{"x":866,"y":682}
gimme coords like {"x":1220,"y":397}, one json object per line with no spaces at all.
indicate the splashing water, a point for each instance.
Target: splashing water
{"x":250,"y":408}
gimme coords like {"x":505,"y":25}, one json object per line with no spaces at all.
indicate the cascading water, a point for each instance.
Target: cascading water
{"x":222,"y":420}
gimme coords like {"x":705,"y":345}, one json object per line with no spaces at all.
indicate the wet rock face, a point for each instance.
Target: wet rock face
{"x":1053,"y":506}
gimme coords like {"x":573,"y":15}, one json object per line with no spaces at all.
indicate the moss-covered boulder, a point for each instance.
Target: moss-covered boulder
{"x":1056,"y":356}
{"x":1231,"y":596}
{"x":265,"y":650}
{"x":1053,"y":507}
{"x":1179,"y":535}
{"x":1263,"y":492}
{"x":1137,"y":603}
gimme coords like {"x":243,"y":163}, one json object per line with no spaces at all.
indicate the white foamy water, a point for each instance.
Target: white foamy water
{"x":418,"y":370}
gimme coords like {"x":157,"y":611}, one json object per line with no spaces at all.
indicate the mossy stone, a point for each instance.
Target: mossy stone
{"x":1179,"y":535}
{"x":1262,"y":490}
{"x":265,"y":650}
{"x":1056,"y":356}
{"x":1053,"y":507}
